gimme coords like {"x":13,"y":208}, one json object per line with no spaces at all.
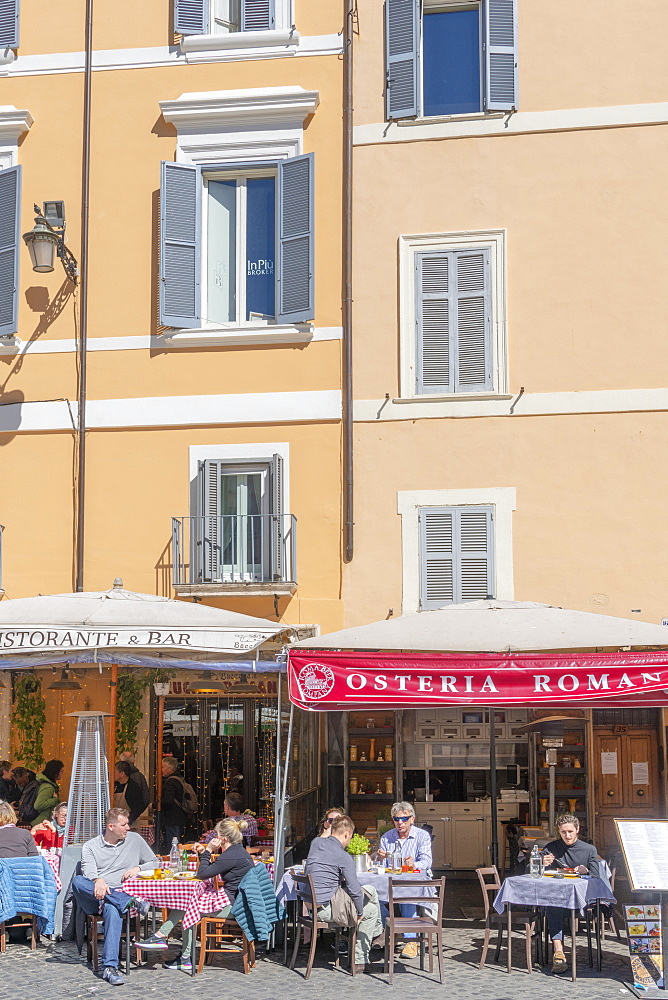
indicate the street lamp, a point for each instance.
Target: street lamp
{"x":47,"y":240}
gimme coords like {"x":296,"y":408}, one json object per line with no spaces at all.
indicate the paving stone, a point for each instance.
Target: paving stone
{"x":56,"y":970}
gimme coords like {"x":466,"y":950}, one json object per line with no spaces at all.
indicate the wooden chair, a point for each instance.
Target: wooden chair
{"x":92,"y":951}
{"x":528,"y":917}
{"x":307,"y":918}
{"x":216,"y":936}
{"x":398,"y":926}
{"x":29,"y":920}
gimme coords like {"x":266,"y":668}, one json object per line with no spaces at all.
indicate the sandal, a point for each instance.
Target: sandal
{"x":559,"y":963}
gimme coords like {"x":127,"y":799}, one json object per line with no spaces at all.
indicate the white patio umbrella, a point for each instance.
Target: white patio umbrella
{"x":123,"y":626}
{"x":495,"y":627}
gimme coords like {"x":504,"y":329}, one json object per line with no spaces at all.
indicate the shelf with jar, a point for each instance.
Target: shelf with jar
{"x":570,"y":775}
{"x":371,"y":763}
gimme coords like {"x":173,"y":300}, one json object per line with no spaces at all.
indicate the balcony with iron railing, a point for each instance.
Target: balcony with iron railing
{"x":234,"y":555}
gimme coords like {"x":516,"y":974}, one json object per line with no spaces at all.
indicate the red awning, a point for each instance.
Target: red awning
{"x":323,"y":680}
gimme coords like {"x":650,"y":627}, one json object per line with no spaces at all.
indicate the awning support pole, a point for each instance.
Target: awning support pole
{"x":552,"y":789}
{"x":279,"y":840}
{"x":494,"y":846}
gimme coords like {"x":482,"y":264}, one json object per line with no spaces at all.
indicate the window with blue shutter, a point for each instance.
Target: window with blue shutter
{"x":295,"y":278}
{"x":453,"y":322}
{"x":450,"y":58}
{"x":456,"y":555}
{"x":10,"y":234}
{"x":9,"y":24}
{"x":255,"y":263}
{"x":180,"y":227}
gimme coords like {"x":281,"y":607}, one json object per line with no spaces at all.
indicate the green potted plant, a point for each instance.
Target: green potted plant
{"x":359,"y":848}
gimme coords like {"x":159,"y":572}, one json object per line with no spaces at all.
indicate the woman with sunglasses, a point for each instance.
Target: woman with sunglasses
{"x":414,"y":845}
{"x":325,"y":829}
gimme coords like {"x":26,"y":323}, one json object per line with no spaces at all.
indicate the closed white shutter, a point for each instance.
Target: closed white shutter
{"x":456,"y":555}
{"x":453,"y":322}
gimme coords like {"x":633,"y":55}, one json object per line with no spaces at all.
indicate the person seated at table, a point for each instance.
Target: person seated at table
{"x":9,"y":790}
{"x":568,"y":852}
{"x":231,"y":865}
{"x":232,"y":806}
{"x":50,"y":833}
{"x":106,"y":862}
{"x":14,"y":842}
{"x":332,"y":868}
{"x":325,"y":828}
{"x":415,"y":846}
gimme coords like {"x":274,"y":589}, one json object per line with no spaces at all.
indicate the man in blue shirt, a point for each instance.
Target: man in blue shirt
{"x":415,"y":845}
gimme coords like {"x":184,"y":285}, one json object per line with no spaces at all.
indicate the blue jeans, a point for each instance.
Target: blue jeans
{"x":555,"y":922}
{"x":405,"y":909}
{"x":115,"y":904}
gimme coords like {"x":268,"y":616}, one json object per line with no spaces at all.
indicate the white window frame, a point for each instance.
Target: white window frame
{"x":283,"y":34}
{"x":251,"y":455}
{"x":240,"y":220}
{"x":493,"y":240}
{"x":434,"y":6}
{"x":409,"y":503}
{"x":255,"y":127}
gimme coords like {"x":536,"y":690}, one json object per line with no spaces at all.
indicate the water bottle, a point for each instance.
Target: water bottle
{"x":396,"y":861}
{"x":535,"y":863}
{"x":174,"y":856}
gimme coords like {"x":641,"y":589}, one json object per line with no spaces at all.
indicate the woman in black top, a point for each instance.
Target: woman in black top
{"x":233,"y":863}
{"x":568,"y":852}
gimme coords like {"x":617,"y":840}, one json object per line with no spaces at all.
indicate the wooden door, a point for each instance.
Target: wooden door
{"x":469,"y":843}
{"x":626,"y":780}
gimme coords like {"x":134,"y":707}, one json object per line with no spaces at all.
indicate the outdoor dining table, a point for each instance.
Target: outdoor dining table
{"x":573,"y":894}
{"x":286,"y":892}
{"x":197,"y":897}
{"x":53,"y":861}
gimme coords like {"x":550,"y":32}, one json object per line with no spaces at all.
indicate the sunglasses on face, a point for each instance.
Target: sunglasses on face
{"x":330,"y":819}
{"x":401,"y":819}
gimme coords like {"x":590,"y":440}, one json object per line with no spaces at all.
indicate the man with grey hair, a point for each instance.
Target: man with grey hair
{"x":414,"y":845}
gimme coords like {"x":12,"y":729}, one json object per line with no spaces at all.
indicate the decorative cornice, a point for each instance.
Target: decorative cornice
{"x":13,"y":123}
{"x":218,"y":110}
{"x":240,"y":40}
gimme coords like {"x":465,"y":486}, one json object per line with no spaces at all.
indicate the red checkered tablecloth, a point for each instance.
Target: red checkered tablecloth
{"x":53,"y":861}
{"x":195,"y":897}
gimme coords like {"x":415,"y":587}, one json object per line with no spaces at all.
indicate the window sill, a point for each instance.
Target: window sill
{"x":10,"y":345}
{"x":446,"y":119}
{"x":237,"y":336}
{"x":453,"y":397}
{"x":278,"y":589}
{"x":240,"y":40}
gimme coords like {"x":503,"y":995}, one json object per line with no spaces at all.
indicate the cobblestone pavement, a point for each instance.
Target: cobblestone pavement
{"x":56,"y":970}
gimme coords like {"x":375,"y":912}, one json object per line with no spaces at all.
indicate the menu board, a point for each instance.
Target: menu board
{"x":643,"y":924}
{"x":645,"y":846}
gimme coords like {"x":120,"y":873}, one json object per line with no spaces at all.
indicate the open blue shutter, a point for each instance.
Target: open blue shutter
{"x":295,"y":284}
{"x":433,"y":322}
{"x":191,"y":17}
{"x":474,"y":543}
{"x":473,"y":321}
{"x":257,"y":15}
{"x":9,"y":24}
{"x":10,"y":226}
{"x":206,"y":542}
{"x":278,"y":554}
{"x":180,"y":229}
{"x":402,"y":57}
{"x":437,"y":556}
{"x":500,"y":39}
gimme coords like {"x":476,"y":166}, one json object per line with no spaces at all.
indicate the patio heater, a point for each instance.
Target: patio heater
{"x":89,"y":786}
{"x":88,"y":800}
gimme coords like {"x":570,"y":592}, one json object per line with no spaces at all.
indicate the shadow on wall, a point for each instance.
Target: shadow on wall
{"x":163,"y":572}
{"x":10,"y":414}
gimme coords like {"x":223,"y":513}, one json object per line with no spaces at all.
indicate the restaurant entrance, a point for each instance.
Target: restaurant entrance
{"x":224,"y":744}
{"x":625,"y":769}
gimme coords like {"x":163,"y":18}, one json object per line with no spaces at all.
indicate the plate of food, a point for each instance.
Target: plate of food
{"x":145,"y":875}
{"x":651,"y":912}
{"x":634,"y":911}
{"x":637,"y":929}
{"x":185,"y":875}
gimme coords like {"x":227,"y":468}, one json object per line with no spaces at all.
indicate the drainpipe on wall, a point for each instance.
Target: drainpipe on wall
{"x":83,"y":309}
{"x":350,"y":14}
